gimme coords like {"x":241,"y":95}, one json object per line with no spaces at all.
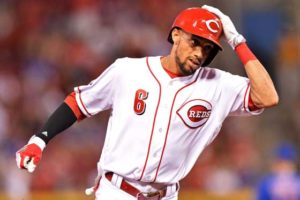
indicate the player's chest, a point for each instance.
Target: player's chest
{"x":187,"y":103}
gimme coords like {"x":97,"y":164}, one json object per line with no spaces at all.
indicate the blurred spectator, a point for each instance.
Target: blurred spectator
{"x":284,"y":181}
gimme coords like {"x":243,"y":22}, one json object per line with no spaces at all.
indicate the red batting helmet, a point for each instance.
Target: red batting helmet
{"x":202,"y":23}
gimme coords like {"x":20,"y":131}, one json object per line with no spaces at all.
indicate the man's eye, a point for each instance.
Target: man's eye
{"x":207,"y":48}
{"x":195,"y":43}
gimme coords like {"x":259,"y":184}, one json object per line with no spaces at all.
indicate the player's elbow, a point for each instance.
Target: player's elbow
{"x":270,"y":101}
{"x":265,"y":101}
{"x":274,"y":101}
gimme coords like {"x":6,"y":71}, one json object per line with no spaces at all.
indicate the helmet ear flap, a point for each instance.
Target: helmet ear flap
{"x":170,"y":38}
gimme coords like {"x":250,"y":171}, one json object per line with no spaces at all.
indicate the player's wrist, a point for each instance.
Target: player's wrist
{"x":244,"y":53}
{"x":37,"y":141}
{"x":236,"y":41}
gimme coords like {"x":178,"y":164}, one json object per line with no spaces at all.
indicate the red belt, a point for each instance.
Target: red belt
{"x":134,"y":191}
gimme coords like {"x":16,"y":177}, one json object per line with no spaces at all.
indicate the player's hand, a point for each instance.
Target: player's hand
{"x":232,"y":36}
{"x":29,"y":156}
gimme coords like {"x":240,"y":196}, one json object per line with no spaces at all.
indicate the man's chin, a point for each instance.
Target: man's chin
{"x":188,"y":68}
{"x":192,"y":68}
{"x":188,"y":71}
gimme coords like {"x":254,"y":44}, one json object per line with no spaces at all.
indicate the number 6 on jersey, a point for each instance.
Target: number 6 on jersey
{"x":139,"y":103}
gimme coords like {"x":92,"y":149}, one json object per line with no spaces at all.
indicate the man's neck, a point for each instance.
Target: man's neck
{"x":169,"y":66}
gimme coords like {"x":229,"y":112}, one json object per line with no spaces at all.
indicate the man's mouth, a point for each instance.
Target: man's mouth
{"x":195,"y":62}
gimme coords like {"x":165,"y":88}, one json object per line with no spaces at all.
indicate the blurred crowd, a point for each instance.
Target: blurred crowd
{"x":47,"y":47}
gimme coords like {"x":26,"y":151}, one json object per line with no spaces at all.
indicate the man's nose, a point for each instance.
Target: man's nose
{"x":198,"y":52}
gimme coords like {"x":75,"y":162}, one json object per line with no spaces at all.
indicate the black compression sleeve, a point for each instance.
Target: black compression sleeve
{"x":62,"y":118}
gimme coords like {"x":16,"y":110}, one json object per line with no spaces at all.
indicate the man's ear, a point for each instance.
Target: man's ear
{"x":175,"y":35}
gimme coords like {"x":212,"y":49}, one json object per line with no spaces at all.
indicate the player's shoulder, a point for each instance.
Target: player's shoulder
{"x":127,"y":65}
{"x":210,"y":72}
{"x":130,"y":60}
{"x":218,"y":73}
{"x":120,"y":65}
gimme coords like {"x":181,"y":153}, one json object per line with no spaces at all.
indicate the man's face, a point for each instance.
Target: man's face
{"x":191,"y":52}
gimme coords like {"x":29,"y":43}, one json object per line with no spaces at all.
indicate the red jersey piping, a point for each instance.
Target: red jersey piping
{"x":154,"y":120}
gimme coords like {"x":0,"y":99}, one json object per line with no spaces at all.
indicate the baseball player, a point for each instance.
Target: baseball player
{"x":165,"y":109}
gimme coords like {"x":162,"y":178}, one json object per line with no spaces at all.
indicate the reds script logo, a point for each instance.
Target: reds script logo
{"x":195,"y":113}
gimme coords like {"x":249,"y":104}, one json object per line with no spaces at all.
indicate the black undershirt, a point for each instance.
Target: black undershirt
{"x":62,"y":118}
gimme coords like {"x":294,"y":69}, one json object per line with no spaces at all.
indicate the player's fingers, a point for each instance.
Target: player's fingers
{"x":24,"y":162}
{"x":18,"y":160}
{"x":21,"y":161}
{"x":213,"y":10}
{"x":30,"y":166}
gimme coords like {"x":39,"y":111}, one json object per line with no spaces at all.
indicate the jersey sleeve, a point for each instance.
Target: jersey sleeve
{"x":237,"y":92}
{"x":70,"y":100}
{"x":98,"y":94}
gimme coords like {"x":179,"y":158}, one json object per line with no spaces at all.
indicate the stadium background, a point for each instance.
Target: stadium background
{"x":49,"y":46}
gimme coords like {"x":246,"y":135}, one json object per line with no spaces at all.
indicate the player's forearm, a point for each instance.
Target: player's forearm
{"x":262,"y":90}
{"x":59,"y":121}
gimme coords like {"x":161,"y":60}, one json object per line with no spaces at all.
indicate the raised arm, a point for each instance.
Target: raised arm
{"x":262,"y":91}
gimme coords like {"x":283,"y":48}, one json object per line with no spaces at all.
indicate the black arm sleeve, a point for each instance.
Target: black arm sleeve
{"x":62,"y":118}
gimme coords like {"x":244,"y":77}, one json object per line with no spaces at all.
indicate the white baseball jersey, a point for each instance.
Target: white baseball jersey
{"x":160,"y":125}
